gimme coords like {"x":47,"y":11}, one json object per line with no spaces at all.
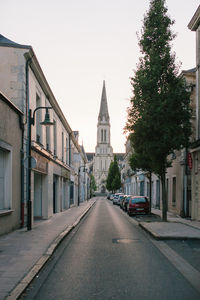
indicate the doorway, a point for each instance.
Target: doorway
{"x":55,"y":192}
{"x":37,"y":195}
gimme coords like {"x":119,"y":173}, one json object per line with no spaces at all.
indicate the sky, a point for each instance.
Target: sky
{"x":80,"y":43}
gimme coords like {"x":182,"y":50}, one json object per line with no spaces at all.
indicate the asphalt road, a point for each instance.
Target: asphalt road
{"x":107,"y":256}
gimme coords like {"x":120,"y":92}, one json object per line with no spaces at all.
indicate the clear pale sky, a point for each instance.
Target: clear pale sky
{"x":80,"y":43}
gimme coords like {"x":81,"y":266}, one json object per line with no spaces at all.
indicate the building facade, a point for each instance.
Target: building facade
{"x":53,"y":176}
{"x":194,"y":26}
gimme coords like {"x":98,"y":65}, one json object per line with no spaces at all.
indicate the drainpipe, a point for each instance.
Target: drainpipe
{"x":70,"y":149}
{"x":185,"y":204}
{"x":22,"y":123}
{"x":22,"y":177}
{"x":28,"y":61}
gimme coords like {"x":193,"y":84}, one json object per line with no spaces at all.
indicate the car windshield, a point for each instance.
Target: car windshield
{"x":128,"y":198}
{"x":139,"y":200}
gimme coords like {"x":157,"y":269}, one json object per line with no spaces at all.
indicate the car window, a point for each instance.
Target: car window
{"x":138,"y":200}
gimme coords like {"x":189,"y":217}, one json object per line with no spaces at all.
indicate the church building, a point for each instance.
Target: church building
{"x":99,"y":162}
{"x":103,"y":151}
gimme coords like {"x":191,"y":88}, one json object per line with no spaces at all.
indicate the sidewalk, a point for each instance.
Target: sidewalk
{"x":23,"y":253}
{"x":175,"y":228}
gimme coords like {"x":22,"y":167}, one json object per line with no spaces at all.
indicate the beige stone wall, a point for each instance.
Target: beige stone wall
{"x":196,"y":185}
{"x":176,"y":172}
{"x":12,"y":75}
{"x":11,"y":135}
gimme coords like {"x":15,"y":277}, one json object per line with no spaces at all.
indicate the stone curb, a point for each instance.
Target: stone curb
{"x":24,"y":283}
{"x":166,"y":237}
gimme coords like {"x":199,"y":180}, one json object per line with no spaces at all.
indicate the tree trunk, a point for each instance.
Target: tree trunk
{"x":164,"y":197}
{"x":150,"y":191}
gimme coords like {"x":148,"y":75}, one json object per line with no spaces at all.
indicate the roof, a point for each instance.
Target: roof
{"x":90,"y":155}
{"x":195,"y":21}
{"x":8,"y":43}
{"x":193,"y":70}
{"x":103,"y":112}
{"x":10,"y":104}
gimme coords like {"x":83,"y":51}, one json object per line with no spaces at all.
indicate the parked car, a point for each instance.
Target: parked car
{"x":125,"y":202}
{"x":116,"y":198}
{"x":112,"y":196}
{"x":138,"y":205}
{"x":108,"y":196}
{"x":121,"y":199}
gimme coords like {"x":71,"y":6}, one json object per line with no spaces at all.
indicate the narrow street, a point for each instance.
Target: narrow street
{"x":107,"y":256}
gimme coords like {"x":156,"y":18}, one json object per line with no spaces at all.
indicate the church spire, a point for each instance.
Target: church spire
{"x":103,"y":112}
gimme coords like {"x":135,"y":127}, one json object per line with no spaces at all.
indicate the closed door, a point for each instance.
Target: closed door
{"x":2,"y":178}
{"x":37,"y":195}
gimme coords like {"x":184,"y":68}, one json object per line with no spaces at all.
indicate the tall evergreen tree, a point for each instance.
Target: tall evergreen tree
{"x":159,"y":113}
{"x":93,"y":186}
{"x":113,"y":181}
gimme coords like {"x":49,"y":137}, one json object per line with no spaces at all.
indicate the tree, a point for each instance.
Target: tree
{"x":93,"y":186}
{"x":141,"y":161}
{"x":113,"y":181}
{"x":159,"y":113}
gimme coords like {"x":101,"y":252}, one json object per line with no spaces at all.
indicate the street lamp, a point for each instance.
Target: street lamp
{"x":31,"y":121}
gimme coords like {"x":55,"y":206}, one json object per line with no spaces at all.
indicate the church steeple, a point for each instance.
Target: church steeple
{"x":103,"y":112}
{"x":103,"y":151}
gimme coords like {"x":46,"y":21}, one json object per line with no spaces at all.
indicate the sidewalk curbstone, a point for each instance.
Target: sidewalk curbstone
{"x":170,"y":231}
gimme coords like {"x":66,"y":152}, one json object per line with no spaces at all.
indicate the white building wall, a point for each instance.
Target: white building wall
{"x":13,"y":85}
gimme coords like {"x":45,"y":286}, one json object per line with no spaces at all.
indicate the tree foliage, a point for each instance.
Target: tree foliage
{"x":113,"y":181}
{"x":93,"y":186}
{"x":159,"y":113}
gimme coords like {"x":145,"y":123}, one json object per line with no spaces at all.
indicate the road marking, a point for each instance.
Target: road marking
{"x":190,"y":273}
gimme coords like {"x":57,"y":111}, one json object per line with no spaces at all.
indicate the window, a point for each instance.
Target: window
{"x":38,"y":120}
{"x":167,"y":188}
{"x":62,"y":146}
{"x":5,"y":177}
{"x":158,"y":193}
{"x":48,"y":140}
{"x":104,"y":135}
{"x":55,"y":138}
{"x":139,"y":200}
{"x":2,"y":178}
{"x":148,"y":189}
{"x":67,"y":151}
{"x":174,"y":191}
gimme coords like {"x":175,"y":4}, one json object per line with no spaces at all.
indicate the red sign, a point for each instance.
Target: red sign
{"x":189,"y":160}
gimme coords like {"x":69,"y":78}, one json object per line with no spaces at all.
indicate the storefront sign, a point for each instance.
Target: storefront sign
{"x":65,"y":173}
{"x":42,"y":163}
